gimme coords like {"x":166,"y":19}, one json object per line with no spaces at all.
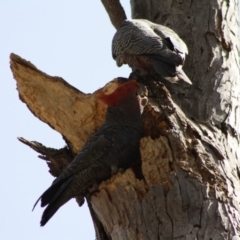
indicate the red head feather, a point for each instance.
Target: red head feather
{"x":121,"y":93}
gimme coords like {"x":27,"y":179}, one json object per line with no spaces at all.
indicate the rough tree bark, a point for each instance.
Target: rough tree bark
{"x":190,"y":187}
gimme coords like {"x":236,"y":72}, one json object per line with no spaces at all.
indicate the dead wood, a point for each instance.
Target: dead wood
{"x":181,"y":166}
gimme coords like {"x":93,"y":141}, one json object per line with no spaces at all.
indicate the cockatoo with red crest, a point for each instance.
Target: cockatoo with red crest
{"x":114,"y":146}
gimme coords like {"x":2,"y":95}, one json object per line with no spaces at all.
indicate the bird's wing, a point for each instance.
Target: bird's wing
{"x":95,"y":149}
{"x":100,"y":145}
{"x":148,"y":42}
{"x":142,"y":37}
{"x":135,"y":38}
{"x":168,"y":34}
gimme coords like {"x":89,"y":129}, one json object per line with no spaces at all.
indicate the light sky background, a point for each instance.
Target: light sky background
{"x":70,"y":39}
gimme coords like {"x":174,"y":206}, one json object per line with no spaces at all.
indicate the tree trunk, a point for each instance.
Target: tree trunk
{"x":190,"y":187}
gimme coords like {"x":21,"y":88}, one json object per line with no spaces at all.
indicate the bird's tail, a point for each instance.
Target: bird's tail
{"x":54,"y":197}
{"x":61,"y":197}
{"x":170,"y":72}
{"x":182,"y":76}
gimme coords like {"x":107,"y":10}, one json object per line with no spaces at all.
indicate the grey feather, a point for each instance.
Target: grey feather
{"x":159,"y":45}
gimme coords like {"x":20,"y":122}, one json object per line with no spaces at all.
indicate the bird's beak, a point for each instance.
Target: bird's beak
{"x":142,"y":97}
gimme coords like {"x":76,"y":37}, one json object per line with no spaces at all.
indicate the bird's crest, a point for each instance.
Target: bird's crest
{"x":121,"y":93}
